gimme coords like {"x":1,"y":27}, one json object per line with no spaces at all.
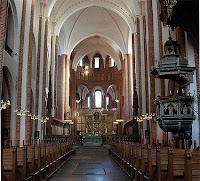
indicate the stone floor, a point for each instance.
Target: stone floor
{"x":90,"y":164}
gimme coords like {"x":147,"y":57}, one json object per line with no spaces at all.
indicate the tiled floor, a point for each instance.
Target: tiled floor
{"x":90,"y":164}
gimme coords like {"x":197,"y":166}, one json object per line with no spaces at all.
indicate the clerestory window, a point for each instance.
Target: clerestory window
{"x":98,"y":99}
{"x":96,"y":62}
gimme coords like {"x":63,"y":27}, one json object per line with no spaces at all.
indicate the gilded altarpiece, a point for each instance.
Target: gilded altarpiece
{"x":95,"y":124}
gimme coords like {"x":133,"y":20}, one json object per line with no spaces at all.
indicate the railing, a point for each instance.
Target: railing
{"x":117,"y":139}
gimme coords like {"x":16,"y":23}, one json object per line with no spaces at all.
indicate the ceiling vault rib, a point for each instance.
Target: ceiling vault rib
{"x":118,"y":27}
{"x":73,"y":28}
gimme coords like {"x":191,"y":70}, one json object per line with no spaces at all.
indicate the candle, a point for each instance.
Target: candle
{"x":86,"y":130}
{"x":106,"y":130}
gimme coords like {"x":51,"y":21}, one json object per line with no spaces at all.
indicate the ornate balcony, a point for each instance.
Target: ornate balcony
{"x":175,"y":114}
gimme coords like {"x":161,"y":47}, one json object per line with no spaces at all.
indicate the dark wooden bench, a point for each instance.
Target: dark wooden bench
{"x":9,"y":157}
{"x":22,"y":163}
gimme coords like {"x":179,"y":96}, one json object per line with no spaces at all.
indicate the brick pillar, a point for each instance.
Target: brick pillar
{"x":139,"y":71}
{"x":73,"y":100}
{"x":61,"y":87}
{"x":29,"y":74}
{"x":20,"y":65}
{"x":160,"y":45}
{"x":139,"y":66}
{"x":196,"y":53}
{"x":125,"y":89}
{"x":67,"y":66}
{"x":129,"y":86}
{"x":44,"y":69}
{"x":151,"y":62}
{"x":3,"y":13}
{"x":133,"y":57}
{"x":44,"y":83}
{"x":146,"y":66}
{"x":146,"y":70}
{"x":120,"y":89}
{"x":38,"y":70}
{"x":56,"y":74}
{"x":180,"y":37}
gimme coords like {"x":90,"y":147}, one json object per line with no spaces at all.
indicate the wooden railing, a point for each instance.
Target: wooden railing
{"x":35,"y":161}
{"x":148,"y":162}
{"x":112,"y":139}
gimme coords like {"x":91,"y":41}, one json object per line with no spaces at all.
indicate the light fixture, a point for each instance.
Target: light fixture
{"x":4,"y":105}
{"x":117,"y":100}
{"x":145,"y":117}
{"x":33,"y":116}
{"x":21,"y":112}
{"x":115,"y":122}
{"x":119,"y":120}
{"x":44,"y":119}
{"x":86,"y":72}
{"x":78,"y":101}
{"x":68,"y":121}
{"x":71,"y":123}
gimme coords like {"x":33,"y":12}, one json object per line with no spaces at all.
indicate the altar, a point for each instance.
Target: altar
{"x":95,"y":124}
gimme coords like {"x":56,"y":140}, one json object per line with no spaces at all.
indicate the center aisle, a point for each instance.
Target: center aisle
{"x":90,"y":164}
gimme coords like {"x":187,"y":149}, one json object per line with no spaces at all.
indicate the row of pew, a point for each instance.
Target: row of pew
{"x":146,"y":162}
{"x":36,"y":161}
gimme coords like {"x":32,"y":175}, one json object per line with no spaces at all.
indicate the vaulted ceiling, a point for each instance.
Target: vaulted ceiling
{"x":86,"y":26}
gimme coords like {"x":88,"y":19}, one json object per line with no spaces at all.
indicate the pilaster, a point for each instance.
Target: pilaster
{"x":3,"y":14}
{"x":56,"y":75}
{"x":61,"y":87}
{"x":73,"y":100}
{"x":20,"y":68}
{"x":29,"y":74}
{"x":151,"y":62}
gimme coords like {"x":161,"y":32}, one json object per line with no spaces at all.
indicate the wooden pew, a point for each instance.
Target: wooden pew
{"x":161,"y":163}
{"x":31,"y":159}
{"x":192,"y":166}
{"x":22,"y":163}
{"x":157,"y":163}
{"x":9,"y":157}
{"x":34,"y":162}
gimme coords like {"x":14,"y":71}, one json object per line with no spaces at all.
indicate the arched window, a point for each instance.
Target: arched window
{"x":88,"y":102}
{"x":96,"y":62}
{"x":81,"y":62}
{"x":9,"y":43}
{"x":98,"y":99}
{"x":112,"y":62}
{"x":79,"y":75}
{"x":107,"y":102}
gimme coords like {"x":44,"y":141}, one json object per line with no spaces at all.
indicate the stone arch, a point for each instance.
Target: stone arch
{"x":13,"y":26}
{"x":8,"y":115}
{"x":83,"y":91}
{"x":103,"y":37}
{"x":97,"y":88}
{"x":112,"y":90}
{"x":88,"y":47}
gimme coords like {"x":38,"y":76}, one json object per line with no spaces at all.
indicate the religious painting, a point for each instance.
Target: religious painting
{"x":96,"y":116}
